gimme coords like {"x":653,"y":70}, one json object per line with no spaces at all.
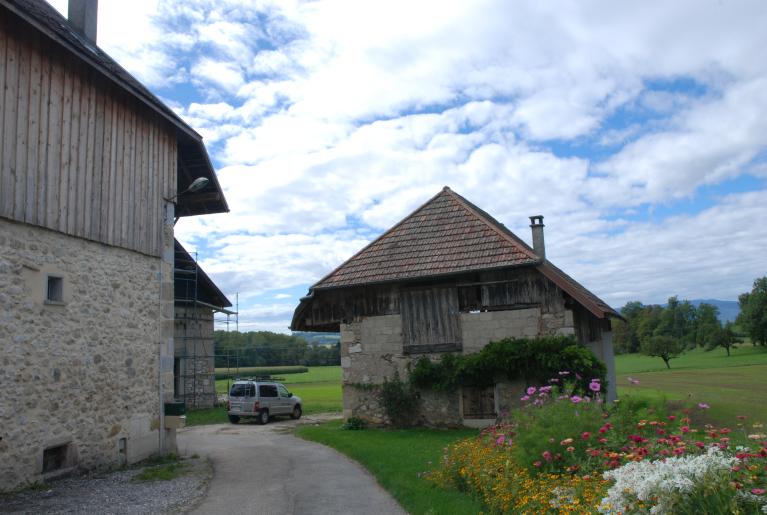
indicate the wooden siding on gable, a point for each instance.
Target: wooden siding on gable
{"x":77,"y":155}
{"x":430,"y":317}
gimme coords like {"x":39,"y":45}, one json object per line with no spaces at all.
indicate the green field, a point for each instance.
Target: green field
{"x":319,"y":388}
{"x":732,"y":386}
{"x":397,"y":458}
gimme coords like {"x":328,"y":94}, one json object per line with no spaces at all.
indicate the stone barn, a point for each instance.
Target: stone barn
{"x":448,"y":278}
{"x":197,"y":299}
{"x":94,"y":172}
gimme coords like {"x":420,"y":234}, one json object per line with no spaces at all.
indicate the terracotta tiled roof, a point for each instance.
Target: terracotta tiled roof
{"x":446,"y":235}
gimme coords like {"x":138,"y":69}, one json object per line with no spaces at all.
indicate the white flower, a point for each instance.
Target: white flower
{"x":661,"y":480}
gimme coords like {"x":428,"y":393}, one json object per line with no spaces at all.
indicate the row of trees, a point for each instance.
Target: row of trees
{"x":666,"y":332}
{"x":265,"y":348}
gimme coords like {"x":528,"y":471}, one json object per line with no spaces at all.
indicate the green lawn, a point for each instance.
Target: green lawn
{"x":732,"y":386}
{"x":397,"y":458}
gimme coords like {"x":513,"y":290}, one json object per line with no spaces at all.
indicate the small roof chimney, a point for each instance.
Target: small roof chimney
{"x":536,"y":224}
{"x":82,"y":15}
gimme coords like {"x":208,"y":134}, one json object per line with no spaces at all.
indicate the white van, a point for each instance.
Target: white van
{"x":261,"y":399}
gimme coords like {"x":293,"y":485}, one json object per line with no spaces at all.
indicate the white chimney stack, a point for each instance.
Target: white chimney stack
{"x":536,"y":224}
{"x":82,"y":15}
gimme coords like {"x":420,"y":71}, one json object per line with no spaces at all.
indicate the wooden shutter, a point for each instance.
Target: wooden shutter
{"x":431,"y":320}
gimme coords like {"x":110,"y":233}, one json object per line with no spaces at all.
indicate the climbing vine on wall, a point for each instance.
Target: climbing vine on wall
{"x":533,"y":360}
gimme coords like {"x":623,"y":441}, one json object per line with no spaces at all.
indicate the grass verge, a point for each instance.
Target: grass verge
{"x":397,"y":458}
{"x":165,"y":468}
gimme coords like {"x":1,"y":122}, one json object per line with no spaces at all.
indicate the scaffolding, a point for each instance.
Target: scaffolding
{"x":194,"y":367}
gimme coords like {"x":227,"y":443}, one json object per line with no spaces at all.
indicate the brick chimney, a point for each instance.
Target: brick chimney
{"x":536,"y":224}
{"x":82,"y":16}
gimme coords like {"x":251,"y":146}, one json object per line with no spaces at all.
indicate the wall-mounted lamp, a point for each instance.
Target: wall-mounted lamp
{"x":197,"y":184}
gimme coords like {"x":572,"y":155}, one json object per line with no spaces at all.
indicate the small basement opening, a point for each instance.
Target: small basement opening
{"x":55,"y":458}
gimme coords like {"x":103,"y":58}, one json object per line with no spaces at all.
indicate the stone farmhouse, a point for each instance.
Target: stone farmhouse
{"x":447,"y":278}
{"x":197,"y":299}
{"x":94,"y":172}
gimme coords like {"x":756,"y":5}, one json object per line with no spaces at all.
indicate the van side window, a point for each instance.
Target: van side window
{"x":283,"y":391}
{"x":267,"y":390}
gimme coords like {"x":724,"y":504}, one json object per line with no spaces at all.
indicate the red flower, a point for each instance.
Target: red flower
{"x":585,"y":435}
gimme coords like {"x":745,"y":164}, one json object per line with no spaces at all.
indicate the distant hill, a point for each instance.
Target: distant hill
{"x":318,"y":338}
{"x":728,"y":309}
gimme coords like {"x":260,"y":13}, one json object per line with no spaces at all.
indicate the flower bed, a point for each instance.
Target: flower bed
{"x":565,"y":453}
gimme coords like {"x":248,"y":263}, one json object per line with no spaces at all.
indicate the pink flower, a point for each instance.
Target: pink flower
{"x":547,"y":455}
{"x":525,"y":398}
{"x":531,"y":390}
{"x":564,"y":373}
{"x":758,"y":491}
{"x":585,"y":436}
{"x":537,"y":463}
{"x":685,"y":429}
{"x":575,"y":399}
{"x":594,"y":386}
{"x":703,"y":405}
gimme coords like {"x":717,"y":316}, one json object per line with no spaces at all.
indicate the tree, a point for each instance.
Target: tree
{"x":662,"y":346}
{"x":707,"y":326}
{"x":753,"y":312}
{"x":722,"y":337}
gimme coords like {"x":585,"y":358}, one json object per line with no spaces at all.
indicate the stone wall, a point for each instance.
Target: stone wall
{"x":371,"y":350}
{"x":195,"y":381}
{"x":82,"y":373}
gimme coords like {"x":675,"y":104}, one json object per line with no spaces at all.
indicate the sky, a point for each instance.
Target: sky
{"x":637,"y":129}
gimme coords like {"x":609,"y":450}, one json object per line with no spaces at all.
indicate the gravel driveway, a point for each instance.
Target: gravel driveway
{"x":243,"y":469}
{"x":266,"y":470}
{"x":114,"y":493}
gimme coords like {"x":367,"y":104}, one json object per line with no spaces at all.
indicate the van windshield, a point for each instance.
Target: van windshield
{"x":242,"y":390}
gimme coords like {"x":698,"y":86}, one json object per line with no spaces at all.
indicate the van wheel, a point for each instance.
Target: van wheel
{"x":263,"y":417}
{"x":234,"y":419}
{"x":296,"y":412}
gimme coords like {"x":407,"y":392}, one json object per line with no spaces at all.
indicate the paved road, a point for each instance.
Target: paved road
{"x":266,"y":470}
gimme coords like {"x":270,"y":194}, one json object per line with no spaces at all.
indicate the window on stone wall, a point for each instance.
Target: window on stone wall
{"x":55,"y":290}
{"x":479,"y":402}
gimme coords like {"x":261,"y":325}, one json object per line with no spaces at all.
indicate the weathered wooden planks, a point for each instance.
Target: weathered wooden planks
{"x":78,"y":155}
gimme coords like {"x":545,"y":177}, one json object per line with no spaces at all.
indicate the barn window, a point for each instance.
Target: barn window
{"x":478,"y":402}
{"x":431,"y":320}
{"x":54,"y":293}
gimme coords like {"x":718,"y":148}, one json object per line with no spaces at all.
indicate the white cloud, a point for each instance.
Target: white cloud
{"x":333,"y":119}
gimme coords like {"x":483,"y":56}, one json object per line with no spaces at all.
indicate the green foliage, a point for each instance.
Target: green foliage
{"x":680,"y":320}
{"x":753,"y":312}
{"x":265,"y":348}
{"x":161,"y":468}
{"x":721,"y":337}
{"x":354,"y":424}
{"x":662,"y":346}
{"x":533,"y":360}
{"x":547,"y":431}
{"x":226,"y":373}
{"x":400,"y":401}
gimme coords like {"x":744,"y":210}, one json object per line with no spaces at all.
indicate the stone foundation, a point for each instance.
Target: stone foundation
{"x":79,"y":377}
{"x":372,"y":350}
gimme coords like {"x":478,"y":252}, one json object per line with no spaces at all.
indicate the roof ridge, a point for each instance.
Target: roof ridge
{"x":494,"y":224}
{"x":391,"y":229}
